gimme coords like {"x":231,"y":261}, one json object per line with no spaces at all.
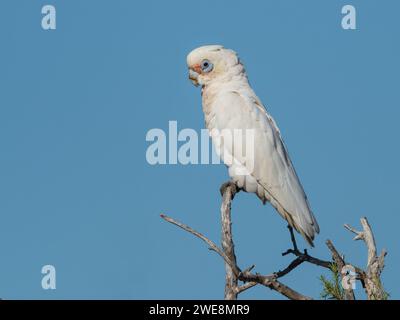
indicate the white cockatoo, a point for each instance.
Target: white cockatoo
{"x":229,"y":103}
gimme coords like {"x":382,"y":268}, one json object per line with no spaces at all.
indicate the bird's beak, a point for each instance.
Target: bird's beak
{"x":194,"y":77}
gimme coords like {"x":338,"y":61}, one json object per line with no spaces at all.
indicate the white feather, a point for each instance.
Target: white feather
{"x":229,"y":103}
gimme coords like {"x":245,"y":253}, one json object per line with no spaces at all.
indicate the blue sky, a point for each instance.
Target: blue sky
{"x":76,"y":103}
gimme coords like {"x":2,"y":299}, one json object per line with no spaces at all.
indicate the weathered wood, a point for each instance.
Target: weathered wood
{"x":340,"y":263}
{"x":231,"y":280}
{"x":272,"y":283}
{"x":232,"y":272}
{"x":372,"y":276}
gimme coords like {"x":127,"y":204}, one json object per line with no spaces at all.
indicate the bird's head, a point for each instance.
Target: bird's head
{"x":211,"y":62}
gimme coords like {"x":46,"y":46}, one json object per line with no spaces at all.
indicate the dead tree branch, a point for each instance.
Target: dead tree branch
{"x":370,"y":279}
{"x":232,"y":272}
{"x":228,"y":192}
{"x":301,"y":256}
{"x":375,"y":264}
{"x":340,"y":263}
{"x":211,"y":245}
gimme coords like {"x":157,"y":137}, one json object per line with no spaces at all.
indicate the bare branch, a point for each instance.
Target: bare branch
{"x":301,"y":257}
{"x":372,"y":277}
{"x":272,"y":283}
{"x":369,"y":241}
{"x":359,"y":234}
{"x":294,"y":264}
{"x":340,"y":263}
{"x":233,"y":274}
{"x":228,"y":191}
{"x":246,"y":286}
{"x":211,"y":244}
{"x":305,"y":257}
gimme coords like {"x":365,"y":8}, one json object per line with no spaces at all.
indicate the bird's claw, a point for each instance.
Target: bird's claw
{"x":227,"y":184}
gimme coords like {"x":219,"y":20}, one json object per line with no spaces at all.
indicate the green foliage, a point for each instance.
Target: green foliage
{"x":332,"y":288}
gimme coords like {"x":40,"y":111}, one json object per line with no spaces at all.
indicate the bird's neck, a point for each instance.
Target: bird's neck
{"x":228,"y":82}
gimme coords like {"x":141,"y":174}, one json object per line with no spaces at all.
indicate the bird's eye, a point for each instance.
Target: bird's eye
{"x":206,"y":66}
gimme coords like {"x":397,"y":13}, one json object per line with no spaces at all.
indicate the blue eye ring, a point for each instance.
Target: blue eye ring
{"x":206,"y":66}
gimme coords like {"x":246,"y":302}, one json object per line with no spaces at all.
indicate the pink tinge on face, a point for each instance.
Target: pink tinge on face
{"x":196,"y":67}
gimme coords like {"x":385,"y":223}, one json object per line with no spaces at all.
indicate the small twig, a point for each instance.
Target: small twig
{"x":359,"y":234}
{"x":212,"y":246}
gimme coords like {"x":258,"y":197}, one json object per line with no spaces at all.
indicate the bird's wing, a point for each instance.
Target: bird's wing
{"x":273,"y":170}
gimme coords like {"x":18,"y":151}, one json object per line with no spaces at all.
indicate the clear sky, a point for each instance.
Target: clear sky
{"x":76,"y":103}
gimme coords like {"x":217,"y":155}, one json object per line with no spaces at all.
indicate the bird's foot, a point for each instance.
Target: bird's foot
{"x":229,"y":184}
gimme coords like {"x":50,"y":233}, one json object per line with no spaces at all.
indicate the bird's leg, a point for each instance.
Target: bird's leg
{"x":292,"y":237}
{"x":295,"y":249}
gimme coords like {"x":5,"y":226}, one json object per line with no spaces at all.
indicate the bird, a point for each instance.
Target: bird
{"x":229,"y":103}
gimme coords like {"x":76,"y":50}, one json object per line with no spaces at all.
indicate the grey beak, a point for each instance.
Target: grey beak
{"x":193,"y":76}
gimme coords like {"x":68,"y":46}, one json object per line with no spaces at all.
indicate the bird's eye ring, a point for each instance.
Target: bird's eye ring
{"x":206,"y":66}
